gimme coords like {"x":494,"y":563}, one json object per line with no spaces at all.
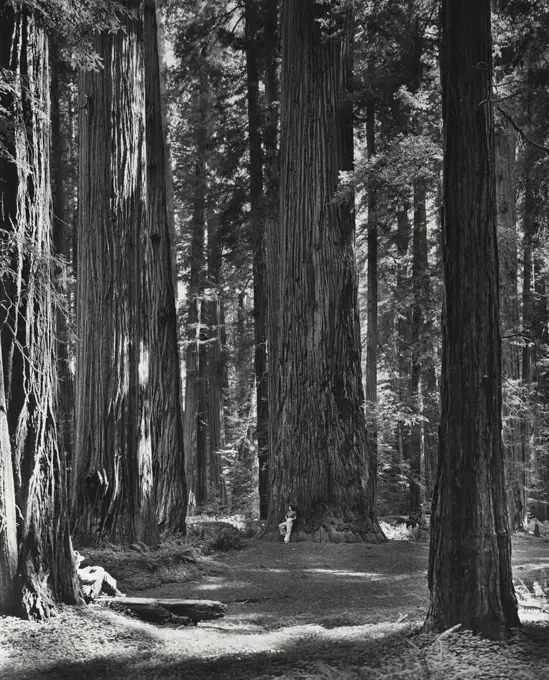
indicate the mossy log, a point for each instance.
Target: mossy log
{"x":168,"y":610}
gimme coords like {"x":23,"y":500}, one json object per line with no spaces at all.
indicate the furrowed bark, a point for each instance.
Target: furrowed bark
{"x":113,"y":490}
{"x":165,"y":371}
{"x":45,"y":571}
{"x":317,"y":418}
{"x":470,"y":551}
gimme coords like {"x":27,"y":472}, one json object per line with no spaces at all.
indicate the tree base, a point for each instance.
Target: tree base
{"x":329,"y":534}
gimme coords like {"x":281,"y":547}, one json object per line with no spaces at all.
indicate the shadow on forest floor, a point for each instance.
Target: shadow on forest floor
{"x":297,"y":611}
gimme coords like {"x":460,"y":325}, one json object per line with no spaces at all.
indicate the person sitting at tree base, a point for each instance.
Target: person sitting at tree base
{"x":95,"y":580}
{"x":285,"y":527}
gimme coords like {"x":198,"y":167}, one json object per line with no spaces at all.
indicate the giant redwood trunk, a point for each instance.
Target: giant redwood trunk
{"x":317,"y":419}
{"x":113,"y":490}
{"x":45,"y":573}
{"x":165,"y":373}
{"x":259,"y":257}
{"x":470,"y":551}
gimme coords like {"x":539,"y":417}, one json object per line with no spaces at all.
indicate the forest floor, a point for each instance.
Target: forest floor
{"x":301,"y":611}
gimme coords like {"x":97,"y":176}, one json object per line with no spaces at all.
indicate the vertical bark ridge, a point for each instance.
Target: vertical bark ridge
{"x":470,"y":551}
{"x":318,"y":421}
{"x":165,"y":372}
{"x":113,"y":489}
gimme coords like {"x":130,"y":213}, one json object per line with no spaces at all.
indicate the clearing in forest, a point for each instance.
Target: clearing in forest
{"x":296,"y":611}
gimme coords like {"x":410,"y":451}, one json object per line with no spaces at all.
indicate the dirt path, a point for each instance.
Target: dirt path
{"x":295,"y":612}
{"x":273,"y":585}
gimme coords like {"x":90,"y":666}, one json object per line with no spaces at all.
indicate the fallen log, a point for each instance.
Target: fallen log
{"x":168,"y":610}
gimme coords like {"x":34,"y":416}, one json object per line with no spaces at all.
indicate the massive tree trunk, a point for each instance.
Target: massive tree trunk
{"x":195,"y":368}
{"x":271,"y":198}
{"x":165,"y":373}
{"x":113,"y":489}
{"x":470,"y":552}
{"x":317,"y":418}
{"x":45,"y":571}
{"x":259,"y":264}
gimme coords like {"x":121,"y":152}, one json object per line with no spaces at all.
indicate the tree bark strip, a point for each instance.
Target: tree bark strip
{"x":258,"y":242}
{"x":165,"y":370}
{"x":45,"y":571}
{"x":317,"y":418}
{"x":470,"y":550}
{"x":113,"y":488}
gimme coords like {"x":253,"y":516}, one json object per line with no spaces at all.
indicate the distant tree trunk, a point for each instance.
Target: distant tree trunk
{"x":45,"y":570}
{"x":404,"y":329}
{"x":195,"y":407}
{"x":317,"y":418}
{"x":65,"y":397}
{"x":420,"y":293}
{"x":165,"y":371}
{"x":529,"y":231}
{"x":470,"y":552}
{"x":113,"y":487}
{"x":251,"y":10}
{"x":215,"y":367}
{"x":372,"y":311}
{"x":271,"y":202}
{"x":510,"y":318}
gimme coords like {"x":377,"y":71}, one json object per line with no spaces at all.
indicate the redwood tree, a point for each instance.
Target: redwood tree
{"x":470,"y":552}
{"x":165,"y":372}
{"x":45,"y":572}
{"x":113,"y":489}
{"x":317,"y":424}
{"x":251,"y":10}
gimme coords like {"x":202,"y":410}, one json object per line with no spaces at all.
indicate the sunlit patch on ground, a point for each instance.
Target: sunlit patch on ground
{"x":312,"y":611}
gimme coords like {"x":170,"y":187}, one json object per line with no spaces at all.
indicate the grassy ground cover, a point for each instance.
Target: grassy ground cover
{"x":297,"y":611}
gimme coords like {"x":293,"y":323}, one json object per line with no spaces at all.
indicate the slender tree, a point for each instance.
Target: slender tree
{"x":372,"y":312}
{"x":45,"y":571}
{"x":251,"y":11}
{"x":470,"y":552}
{"x":113,"y":489}
{"x":271,"y":194}
{"x":317,"y":420}
{"x":195,"y":418}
